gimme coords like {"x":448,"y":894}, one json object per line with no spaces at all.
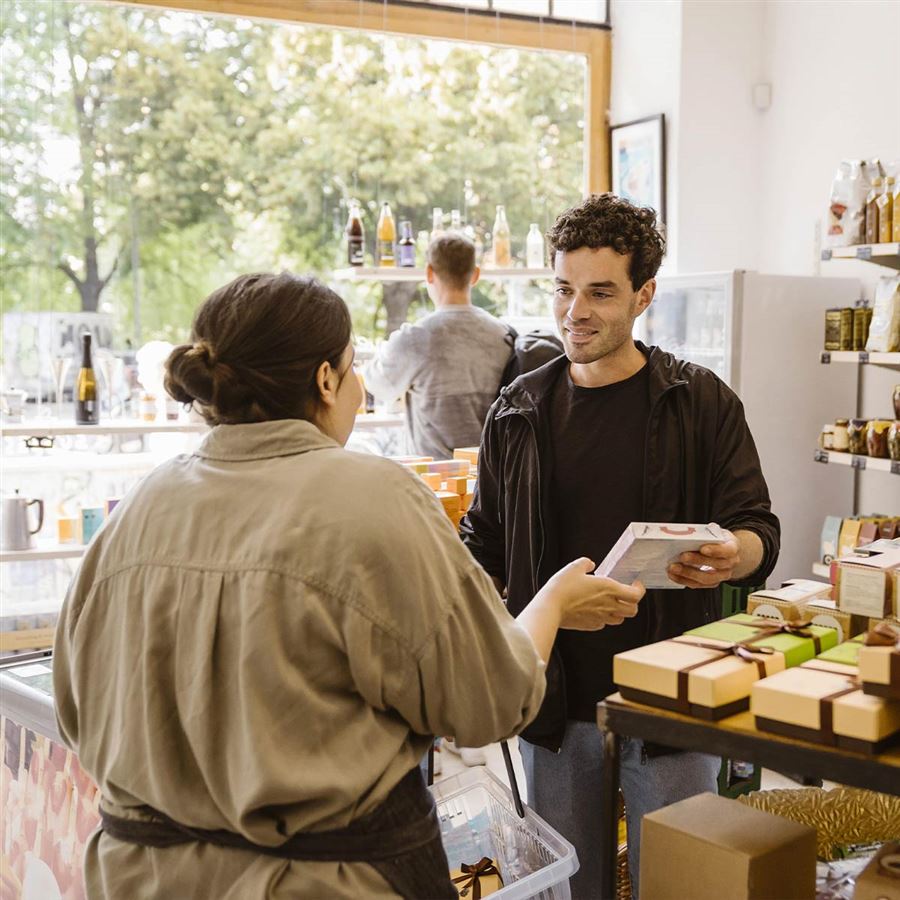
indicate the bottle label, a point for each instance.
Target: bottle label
{"x":386,"y":251}
{"x":407,"y":255}
{"x":355,"y":253}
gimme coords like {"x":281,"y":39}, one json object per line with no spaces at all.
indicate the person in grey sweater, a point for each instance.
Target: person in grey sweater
{"x":447,"y":365}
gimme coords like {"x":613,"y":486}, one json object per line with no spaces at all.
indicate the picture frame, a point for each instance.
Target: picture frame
{"x":637,"y":155}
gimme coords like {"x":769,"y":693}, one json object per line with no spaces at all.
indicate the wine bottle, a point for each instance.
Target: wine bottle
{"x":87,"y":400}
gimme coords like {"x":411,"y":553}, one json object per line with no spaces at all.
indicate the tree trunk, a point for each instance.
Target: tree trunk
{"x":92,"y":284}
{"x":398,"y":297}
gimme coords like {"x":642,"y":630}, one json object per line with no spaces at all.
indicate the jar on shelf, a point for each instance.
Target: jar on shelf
{"x":826,"y":438}
{"x":841,"y":441}
{"x":897,"y":401}
{"x":148,"y":407}
{"x":856,"y":434}
{"x":894,"y":440}
{"x":877,"y":438}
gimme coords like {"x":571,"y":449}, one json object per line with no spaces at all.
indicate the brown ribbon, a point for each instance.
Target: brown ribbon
{"x":771,"y":627}
{"x":826,"y":708}
{"x":883,"y":635}
{"x":472,"y":875}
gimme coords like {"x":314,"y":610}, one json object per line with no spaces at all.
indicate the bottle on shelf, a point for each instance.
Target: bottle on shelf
{"x":437,"y":222}
{"x":356,"y":237}
{"x":406,"y":246}
{"x":872,"y":212}
{"x":885,"y":204}
{"x":500,"y":242}
{"x":534,"y":248}
{"x":87,"y":400}
{"x":386,"y":235}
{"x":455,"y":221}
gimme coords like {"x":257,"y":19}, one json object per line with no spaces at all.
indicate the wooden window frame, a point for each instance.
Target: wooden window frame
{"x":442,"y":23}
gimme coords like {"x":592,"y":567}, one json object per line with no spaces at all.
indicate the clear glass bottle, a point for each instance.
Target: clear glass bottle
{"x":437,"y":222}
{"x":386,"y":234}
{"x":534,"y":248}
{"x":500,"y":240}
{"x":455,"y":220}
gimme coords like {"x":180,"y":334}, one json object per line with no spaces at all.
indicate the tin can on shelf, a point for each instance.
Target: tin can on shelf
{"x":877,"y":437}
{"x":841,"y":440}
{"x":894,"y":441}
{"x":856,"y":435}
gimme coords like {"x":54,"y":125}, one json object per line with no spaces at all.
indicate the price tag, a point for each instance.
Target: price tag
{"x":863,"y":356}
{"x":821,"y":456}
{"x":858,"y":462}
{"x":895,"y":467}
{"x":826,"y":254}
{"x":825,"y":358}
{"x":864,"y":252}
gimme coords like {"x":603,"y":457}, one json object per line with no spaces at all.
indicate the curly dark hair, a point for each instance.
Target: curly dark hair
{"x":605,"y":220}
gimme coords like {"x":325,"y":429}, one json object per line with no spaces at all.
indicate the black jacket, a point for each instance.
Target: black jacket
{"x":701,"y":465}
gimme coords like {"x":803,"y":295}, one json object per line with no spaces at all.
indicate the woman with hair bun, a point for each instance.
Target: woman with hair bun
{"x":261,"y":642}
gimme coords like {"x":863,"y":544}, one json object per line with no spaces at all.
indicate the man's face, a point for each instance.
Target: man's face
{"x":594,"y":303}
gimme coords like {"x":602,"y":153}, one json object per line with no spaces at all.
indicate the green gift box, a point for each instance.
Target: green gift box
{"x":846,"y":654}
{"x":797,"y":642}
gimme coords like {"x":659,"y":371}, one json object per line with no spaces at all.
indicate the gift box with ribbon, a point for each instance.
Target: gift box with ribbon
{"x":822,"y":701}
{"x":879,"y":661}
{"x":478,"y":879}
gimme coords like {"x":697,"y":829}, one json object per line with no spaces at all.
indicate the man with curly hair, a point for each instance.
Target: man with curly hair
{"x":613,"y":432}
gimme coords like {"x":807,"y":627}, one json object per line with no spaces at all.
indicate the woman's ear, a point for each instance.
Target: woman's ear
{"x":327,"y":383}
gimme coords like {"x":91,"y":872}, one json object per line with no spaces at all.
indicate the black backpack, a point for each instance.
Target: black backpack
{"x":528,"y":352}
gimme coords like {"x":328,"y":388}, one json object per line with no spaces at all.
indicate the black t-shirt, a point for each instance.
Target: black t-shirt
{"x":598,"y":439}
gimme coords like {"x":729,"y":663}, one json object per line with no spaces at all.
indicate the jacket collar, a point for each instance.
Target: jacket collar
{"x":528,"y":391}
{"x":263,"y":440}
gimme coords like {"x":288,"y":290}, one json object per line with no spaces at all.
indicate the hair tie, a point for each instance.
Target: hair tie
{"x":201,"y":348}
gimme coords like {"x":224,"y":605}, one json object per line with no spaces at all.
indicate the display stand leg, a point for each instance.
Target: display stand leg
{"x":609,"y":820}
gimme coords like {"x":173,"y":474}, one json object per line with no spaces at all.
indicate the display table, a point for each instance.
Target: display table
{"x":735,"y":737}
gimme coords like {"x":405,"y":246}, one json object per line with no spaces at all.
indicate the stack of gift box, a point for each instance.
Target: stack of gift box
{"x":810,"y":660}
{"x":453,"y":480}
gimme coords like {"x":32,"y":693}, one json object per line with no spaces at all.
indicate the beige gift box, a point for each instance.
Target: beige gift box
{"x":691,"y":675}
{"x":865,"y":586}
{"x":818,"y":702}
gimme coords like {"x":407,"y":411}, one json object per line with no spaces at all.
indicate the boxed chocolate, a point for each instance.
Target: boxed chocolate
{"x":865,"y":585}
{"x":879,"y":662}
{"x":880,"y":880}
{"x":711,"y":848}
{"x":786,"y":603}
{"x":478,"y":879}
{"x":467,"y":453}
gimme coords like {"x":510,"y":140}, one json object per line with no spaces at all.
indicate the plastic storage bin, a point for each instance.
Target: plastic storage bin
{"x":478,"y":819}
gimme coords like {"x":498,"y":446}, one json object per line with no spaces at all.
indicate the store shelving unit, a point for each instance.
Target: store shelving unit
{"x":125,"y":427}
{"x":860,"y":463}
{"x":880,"y":254}
{"x":393,"y":273}
{"x":860,"y":357}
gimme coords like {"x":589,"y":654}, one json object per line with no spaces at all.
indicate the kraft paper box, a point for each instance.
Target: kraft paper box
{"x":826,"y":613}
{"x":712,"y":848}
{"x":786,"y":603}
{"x":467,"y":453}
{"x":692,"y":676}
{"x":879,"y":665}
{"x":831,"y":534}
{"x":449,"y":501}
{"x":849,"y":537}
{"x":458,"y":484}
{"x":796,"y":647}
{"x":880,"y":880}
{"x":646,"y":549}
{"x":432,"y":479}
{"x":865,"y":586}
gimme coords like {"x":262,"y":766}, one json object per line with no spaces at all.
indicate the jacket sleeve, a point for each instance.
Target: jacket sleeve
{"x":397,"y":362}
{"x":739,"y":494}
{"x":482,"y":528}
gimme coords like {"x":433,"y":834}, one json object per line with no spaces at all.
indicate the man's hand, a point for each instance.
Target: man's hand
{"x":589,"y":603}
{"x":711,"y":565}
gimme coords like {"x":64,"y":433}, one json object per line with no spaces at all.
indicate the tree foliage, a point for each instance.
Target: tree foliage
{"x":154,"y":155}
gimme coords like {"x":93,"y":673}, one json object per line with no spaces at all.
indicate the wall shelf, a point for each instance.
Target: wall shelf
{"x":858,"y":462}
{"x":860,"y":357}
{"x":393,"y":273}
{"x":374,"y":421}
{"x":880,"y":254}
{"x":43,"y":551}
{"x":57,"y":428}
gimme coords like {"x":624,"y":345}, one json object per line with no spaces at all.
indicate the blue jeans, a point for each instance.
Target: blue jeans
{"x":564,"y":787}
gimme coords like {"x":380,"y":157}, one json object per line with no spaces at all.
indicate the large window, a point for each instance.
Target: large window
{"x":149,"y":156}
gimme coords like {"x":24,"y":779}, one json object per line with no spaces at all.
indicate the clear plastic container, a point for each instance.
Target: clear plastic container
{"x":478,"y":819}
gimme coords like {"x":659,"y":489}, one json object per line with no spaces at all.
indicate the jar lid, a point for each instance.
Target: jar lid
{"x":841,"y":422}
{"x":859,"y":422}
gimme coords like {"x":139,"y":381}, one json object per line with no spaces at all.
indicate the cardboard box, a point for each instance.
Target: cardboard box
{"x":787,"y":602}
{"x":468,"y":453}
{"x":458,"y":484}
{"x":450,"y":502}
{"x":692,"y":676}
{"x":712,"y":848}
{"x":831,"y":534}
{"x":879,"y":662}
{"x":826,"y":613}
{"x":646,"y":549}
{"x":880,"y":880}
{"x":868,"y":533}
{"x":849,"y":536}
{"x":865,"y":586}
{"x":432,"y":479}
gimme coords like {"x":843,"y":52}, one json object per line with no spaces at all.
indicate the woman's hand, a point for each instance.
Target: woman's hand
{"x":589,"y":603}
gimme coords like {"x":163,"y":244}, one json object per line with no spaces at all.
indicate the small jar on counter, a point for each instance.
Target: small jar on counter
{"x":148,"y":407}
{"x":856,"y":435}
{"x":841,"y":440}
{"x":877,"y":438}
{"x":894,"y":440}
{"x":826,"y":438}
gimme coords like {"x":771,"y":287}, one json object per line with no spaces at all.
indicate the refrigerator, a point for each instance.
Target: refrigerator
{"x":763,"y":335}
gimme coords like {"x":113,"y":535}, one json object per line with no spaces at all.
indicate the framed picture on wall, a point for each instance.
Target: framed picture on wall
{"x":638,"y":160}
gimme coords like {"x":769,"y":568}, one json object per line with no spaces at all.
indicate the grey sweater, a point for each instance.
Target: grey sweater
{"x":448,"y":366}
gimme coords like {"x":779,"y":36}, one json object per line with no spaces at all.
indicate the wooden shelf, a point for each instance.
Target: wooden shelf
{"x":880,"y":254}
{"x":43,"y":551}
{"x":392,"y":273}
{"x":858,"y":462}
{"x":860,"y":357}
{"x":57,"y":428}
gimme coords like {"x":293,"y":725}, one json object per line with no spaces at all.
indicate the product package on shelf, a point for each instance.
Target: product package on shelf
{"x":709,"y":848}
{"x":879,"y":661}
{"x":708,"y":672}
{"x":831,"y":534}
{"x":880,"y":880}
{"x":646,"y":549}
{"x":821,"y":701}
{"x":866,"y":585}
{"x":884,"y":332}
{"x":787,"y":602}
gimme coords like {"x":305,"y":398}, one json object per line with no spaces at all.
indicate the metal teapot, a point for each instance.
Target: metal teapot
{"x":15,"y":533}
